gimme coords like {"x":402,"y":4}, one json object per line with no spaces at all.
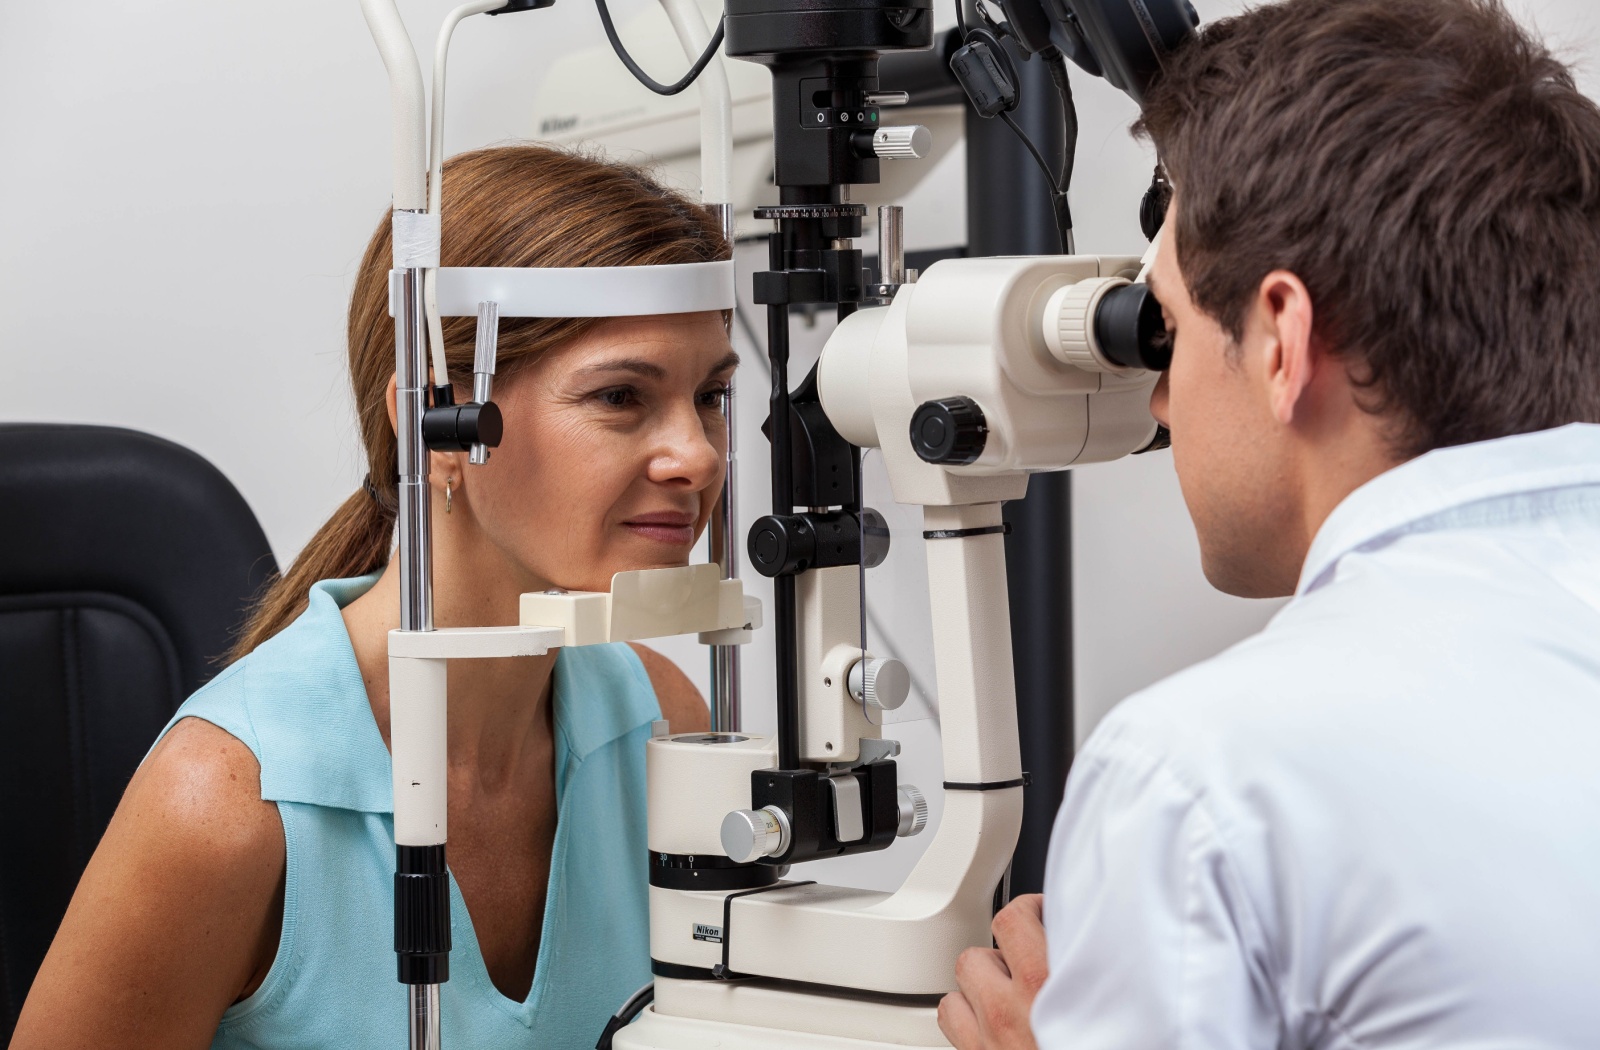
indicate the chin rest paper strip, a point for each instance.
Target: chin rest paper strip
{"x":587,"y":291}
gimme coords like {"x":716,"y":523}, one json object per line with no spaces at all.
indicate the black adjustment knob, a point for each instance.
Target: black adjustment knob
{"x":951,"y":430}
{"x":1129,"y":328}
{"x":781,"y":544}
{"x":449,"y":428}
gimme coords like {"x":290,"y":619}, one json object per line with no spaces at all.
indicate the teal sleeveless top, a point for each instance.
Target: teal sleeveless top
{"x":299,"y":704}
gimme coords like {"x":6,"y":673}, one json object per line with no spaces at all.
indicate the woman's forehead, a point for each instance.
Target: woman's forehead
{"x":667,"y":343}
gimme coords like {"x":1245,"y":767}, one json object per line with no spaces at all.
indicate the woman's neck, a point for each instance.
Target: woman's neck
{"x":500,"y":709}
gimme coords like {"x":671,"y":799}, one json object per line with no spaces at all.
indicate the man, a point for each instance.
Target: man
{"x":1377,"y":823}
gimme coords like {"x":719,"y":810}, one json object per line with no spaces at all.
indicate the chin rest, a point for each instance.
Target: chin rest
{"x":126,"y":564}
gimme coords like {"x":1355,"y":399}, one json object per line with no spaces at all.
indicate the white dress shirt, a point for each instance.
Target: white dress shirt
{"x":1377,"y":823}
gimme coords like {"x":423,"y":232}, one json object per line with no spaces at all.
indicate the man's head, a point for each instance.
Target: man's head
{"x":1385,"y":239}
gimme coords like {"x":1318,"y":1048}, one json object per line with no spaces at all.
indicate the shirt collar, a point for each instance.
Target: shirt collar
{"x":1402,"y":500}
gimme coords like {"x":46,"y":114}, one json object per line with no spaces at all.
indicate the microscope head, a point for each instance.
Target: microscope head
{"x":1124,"y":41}
{"x":987,"y":370}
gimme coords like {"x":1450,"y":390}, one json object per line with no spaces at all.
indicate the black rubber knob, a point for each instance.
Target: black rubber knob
{"x":450,"y":427}
{"x":950,"y":431}
{"x":1129,"y":329}
{"x":781,"y":544}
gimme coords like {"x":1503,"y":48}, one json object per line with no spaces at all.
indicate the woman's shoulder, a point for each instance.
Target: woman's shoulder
{"x":608,"y":692}
{"x":203,"y":779}
{"x":299,"y":657}
{"x":299,"y":704}
{"x":681,"y":703}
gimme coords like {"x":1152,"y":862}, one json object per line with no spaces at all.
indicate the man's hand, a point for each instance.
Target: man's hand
{"x":996,"y":987}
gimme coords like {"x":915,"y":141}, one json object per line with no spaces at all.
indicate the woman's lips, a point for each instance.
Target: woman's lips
{"x":674,"y":529}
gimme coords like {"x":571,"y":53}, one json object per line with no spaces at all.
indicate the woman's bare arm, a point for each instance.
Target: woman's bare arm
{"x":681,"y":703}
{"x":178,"y":913}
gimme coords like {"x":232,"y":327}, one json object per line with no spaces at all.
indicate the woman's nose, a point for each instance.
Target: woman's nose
{"x":686,"y":453}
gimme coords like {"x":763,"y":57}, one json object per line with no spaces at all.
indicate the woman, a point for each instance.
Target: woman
{"x":242,"y":894}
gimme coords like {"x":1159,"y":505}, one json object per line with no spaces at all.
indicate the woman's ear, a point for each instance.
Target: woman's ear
{"x":442,"y":466}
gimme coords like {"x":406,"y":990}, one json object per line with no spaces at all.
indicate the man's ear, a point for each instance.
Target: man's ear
{"x":1283,"y":316}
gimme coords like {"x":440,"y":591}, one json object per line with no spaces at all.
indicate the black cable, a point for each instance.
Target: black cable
{"x":1044,"y":166}
{"x":1058,"y":195}
{"x":623,"y":1017}
{"x":1056,"y":63}
{"x":645,"y":78}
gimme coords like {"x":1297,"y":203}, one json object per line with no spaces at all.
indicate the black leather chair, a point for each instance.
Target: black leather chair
{"x":126,"y":563}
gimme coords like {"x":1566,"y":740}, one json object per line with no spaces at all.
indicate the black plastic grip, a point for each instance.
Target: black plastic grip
{"x":422,"y":915}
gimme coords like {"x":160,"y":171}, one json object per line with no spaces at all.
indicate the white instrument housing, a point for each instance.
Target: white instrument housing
{"x":978,"y":328}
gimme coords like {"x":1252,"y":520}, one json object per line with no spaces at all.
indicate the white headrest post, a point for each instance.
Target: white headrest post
{"x":716,"y":104}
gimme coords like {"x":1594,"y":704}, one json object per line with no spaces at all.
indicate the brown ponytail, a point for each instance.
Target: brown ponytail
{"x":525,"y":205}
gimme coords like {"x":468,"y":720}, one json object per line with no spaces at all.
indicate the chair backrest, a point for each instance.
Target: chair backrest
{"x":126,"y":564}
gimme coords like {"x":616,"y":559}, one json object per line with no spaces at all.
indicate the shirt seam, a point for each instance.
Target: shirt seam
{"x":1159,"y":765}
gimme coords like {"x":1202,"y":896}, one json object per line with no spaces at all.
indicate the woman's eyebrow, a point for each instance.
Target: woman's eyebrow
{"x":633,"y":365}
{"x":648,"y":369}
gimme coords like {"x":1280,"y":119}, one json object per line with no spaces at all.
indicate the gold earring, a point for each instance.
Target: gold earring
{"x":447,"y":501}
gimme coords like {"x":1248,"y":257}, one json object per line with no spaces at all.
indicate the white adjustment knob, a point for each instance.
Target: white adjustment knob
{"x":1069,"y":324}
{"x":880,"y":682}
{"x":908,"y":142}
{"x":913,"y":811}
{"x":750,"y":834}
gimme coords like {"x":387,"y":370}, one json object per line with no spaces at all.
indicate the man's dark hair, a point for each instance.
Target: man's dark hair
{"x":1430,"y":172}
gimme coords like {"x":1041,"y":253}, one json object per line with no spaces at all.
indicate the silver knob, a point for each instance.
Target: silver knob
{"x":881,"y":683}
{"x":908,"y":142}
{"x":749,"y":834}
{"x":913,"y":811}
{"x":887,"y":98}
{"x":484,"y":352}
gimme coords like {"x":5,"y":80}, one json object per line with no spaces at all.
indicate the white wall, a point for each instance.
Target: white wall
{"x":189,"y":185}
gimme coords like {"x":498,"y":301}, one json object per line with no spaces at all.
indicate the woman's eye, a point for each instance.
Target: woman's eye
{"x":618,"y":396}
{"x":713,"y":398}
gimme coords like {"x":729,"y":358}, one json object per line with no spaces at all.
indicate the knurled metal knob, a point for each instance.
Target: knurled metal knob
{"x":882,"y":683}
{"x":913,"y":811}
{"x":905,"y":142}
{"x":750,"y":834}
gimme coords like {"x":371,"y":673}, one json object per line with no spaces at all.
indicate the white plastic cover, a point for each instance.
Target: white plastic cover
{"x":587,"y":291}
{"x":416,"y":240}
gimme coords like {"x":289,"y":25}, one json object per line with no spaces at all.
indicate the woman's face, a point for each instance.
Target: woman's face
{"x":613,"y":454}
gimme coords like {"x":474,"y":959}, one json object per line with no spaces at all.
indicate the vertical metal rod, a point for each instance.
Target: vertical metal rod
{"x":411,"y":380}
{"x":726,"y":693}
{"x":726,"y":705}
{"x":424,"y":1015}
{"x":783,"y":587}
{"x":891,"y":244}
{"x":485,"y":350}
{"x":415,"y":547}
